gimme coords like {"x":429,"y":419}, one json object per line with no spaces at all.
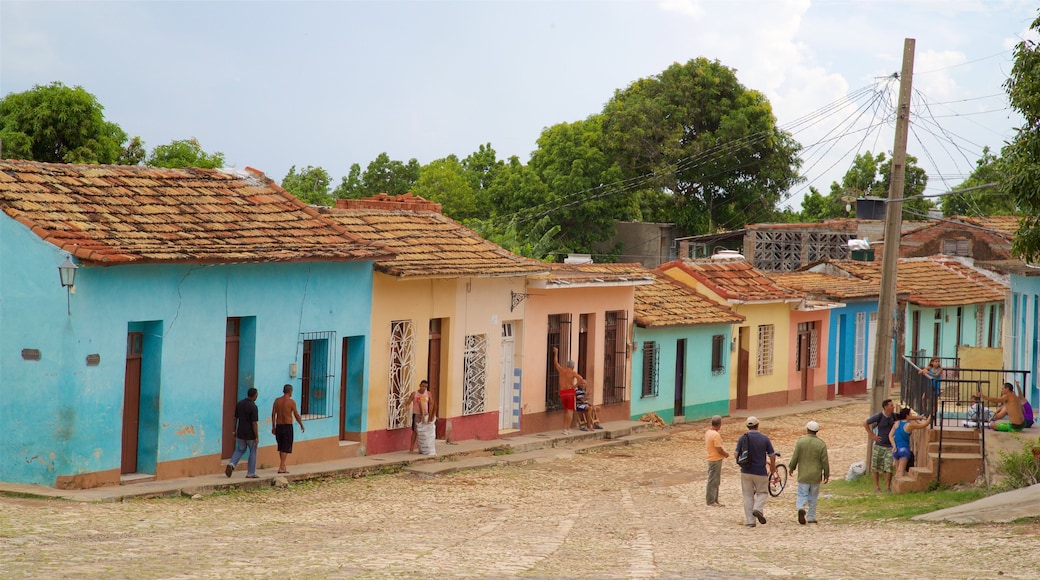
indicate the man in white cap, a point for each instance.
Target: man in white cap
{"x":754,"y":477}
{"x":810,"y":454}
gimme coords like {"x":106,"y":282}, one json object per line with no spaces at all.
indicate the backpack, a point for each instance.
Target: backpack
{"x":743,"y":451}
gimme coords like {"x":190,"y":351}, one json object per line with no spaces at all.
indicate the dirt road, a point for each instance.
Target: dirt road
{"x":631,"y":512}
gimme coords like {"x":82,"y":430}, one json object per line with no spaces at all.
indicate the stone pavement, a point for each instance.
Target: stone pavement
{"x":450,"y":457}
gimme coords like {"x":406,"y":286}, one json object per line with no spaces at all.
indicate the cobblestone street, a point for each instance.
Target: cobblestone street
{"x":623,"y":512}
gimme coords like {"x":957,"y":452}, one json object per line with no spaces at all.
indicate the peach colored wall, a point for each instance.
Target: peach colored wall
{"x":575,"y":301}
{"x":470,"y":306}
{"x":819,"y":388}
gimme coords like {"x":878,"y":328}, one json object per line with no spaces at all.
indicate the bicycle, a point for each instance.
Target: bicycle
{"x":778,"y":479}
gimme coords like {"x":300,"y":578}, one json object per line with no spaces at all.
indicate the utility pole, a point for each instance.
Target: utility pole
{"x":893,"y":224}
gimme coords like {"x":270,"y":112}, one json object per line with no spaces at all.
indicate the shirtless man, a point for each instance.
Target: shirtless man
{"x":1012,"y":408}
{"x":282,"y":414}
{"x":568,"y":378}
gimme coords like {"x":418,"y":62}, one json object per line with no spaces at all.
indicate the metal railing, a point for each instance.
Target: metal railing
{"x":918,"y":391}
{"x":950,"y":409}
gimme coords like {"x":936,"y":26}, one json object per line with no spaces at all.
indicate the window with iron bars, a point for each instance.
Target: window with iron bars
{"x":615,"y":343}
{"x":718,"y":346}
{"x":402,"y":370}
{"x":764,"y":362}
{"x":318,"y":374}
{"x":559,"y":328}
{"x":474,"y":374}
{"x":650,"y":369}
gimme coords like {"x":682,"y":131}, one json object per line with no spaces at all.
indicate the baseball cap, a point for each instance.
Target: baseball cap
{"x":752,"y":421}
{"x":812,"y":426}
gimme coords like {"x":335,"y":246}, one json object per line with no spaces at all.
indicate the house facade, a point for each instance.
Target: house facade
{"x":780,"y":357}
{"x":191,"y":286}
{"x":672,"y":375}
{"x":444,"y":310}
{"x":584,"y":310}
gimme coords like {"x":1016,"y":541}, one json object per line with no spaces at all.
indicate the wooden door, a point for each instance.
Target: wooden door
{"x":680,"y":376}
{"x":743,"y":361}
{"x":131,"y":401}
{"x":231,"y":341}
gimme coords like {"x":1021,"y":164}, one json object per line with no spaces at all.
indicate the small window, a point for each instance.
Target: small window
{"x":650,"y":369}
{"x":317,"y":376}
{"x":718,"y":343}
{"x":765,"y":350}
{"x":957,"y":248}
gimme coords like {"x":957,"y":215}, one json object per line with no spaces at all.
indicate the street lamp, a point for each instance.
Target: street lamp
{"x":67,"y":271}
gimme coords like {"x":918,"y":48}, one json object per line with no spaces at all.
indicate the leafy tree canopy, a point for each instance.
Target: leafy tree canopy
{"x":382,"y":175}
{"x":984,"y":201}
{"x":586,"y":193}
{"x":310,"y":185}
{"x":184,"y":153}
{"x":446,"y":182}
{"x":1022,"y":155}
{"x":60,"y":124}
{"x":695,"y":132}
{"x":868,"y":176}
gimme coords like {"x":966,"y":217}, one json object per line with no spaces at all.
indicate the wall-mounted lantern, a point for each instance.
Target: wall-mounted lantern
{"x":67,"y":271}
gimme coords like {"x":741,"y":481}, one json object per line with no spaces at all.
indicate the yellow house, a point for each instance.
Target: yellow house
{"x":780,"y":349}
{"x":585,"y":310}
{"x":446,"y":309}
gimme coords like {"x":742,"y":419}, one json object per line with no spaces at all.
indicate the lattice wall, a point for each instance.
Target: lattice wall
{"x":789,"y":249}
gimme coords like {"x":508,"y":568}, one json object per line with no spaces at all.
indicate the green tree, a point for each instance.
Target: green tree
{"x":694,"y":131}
{"x":310,"y":185}
{"x":869,"y":176}
{"x":446,"y":182}
{"x":350,"y":186}
{"x":184,"y":153}
{"x":1022,"y":155}
{"x":984,"y":201}
{"x":481,"y":167}
{"x":60,"y":124}
{"x":586,"y":193}
{"x":384,"y":175}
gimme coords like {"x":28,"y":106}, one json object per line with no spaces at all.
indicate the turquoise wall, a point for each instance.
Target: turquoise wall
{"x":841,"y":341}
{"x":62,"y":417}
{"x":704,"y":394}
{"x":1024,"y":319}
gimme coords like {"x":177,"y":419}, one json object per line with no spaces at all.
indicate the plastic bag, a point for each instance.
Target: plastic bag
{"x":855,"y":470}
{"x":426,"y":436}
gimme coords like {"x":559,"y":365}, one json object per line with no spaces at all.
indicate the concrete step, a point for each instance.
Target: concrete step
{"x":955,"y":447}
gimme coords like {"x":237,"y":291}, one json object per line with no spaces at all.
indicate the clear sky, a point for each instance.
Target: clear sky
{"x":277,"y":84}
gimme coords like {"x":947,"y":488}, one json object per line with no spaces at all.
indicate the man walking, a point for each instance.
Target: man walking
{"x":810,"y":453}
{"x":247,"y":434}
{"x":754,"y":477}
{"x":881,"y":453}
{"x":716,"y":453}
{"x":282,"y":414}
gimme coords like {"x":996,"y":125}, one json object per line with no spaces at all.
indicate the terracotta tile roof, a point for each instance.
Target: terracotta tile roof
{"x":427,"y":244}
{"x":116,"y":214}
{"x":827,"y":286}
{"x":666,"y":302}
{"x":736,"y":280}
{"x":1005,"y":224}
{"x":606,"y":274}
{"x":934,"y":282}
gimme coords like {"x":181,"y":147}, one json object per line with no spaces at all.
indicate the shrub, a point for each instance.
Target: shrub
{"x":1020,"y":468}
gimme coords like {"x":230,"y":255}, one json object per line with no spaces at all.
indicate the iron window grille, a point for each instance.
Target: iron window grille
{"x":615,"y":334}
{"x":651,"y":361}
{"x":318,"y":374}
{"x":474,"y":374}
{"x":764,"y":362}
{"x":402,"y":371}
{"x":718,"y":346}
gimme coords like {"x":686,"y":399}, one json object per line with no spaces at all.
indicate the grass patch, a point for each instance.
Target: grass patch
{"x":856,"y":500}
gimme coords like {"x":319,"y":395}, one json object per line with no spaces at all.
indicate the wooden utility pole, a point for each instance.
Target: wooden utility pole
{"x":885,"y":342}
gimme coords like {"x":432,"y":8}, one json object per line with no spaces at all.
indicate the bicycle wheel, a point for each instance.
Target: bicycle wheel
{"x":778,"y":480}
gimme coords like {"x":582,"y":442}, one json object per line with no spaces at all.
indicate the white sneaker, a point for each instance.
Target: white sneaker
{"x":566,"y":431}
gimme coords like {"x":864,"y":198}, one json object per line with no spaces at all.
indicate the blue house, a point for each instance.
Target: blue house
{"x":672,"y":373}
{"x":1022,"y":352}
{"x":190,"y":287}
{"x":853,"y":324}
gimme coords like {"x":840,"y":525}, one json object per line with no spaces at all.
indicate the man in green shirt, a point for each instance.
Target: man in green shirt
{"x":810,"y":453}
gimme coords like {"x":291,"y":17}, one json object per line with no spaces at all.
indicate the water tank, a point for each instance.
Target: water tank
{"x":727,"y":255}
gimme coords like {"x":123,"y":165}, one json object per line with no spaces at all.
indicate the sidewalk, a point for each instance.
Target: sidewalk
{"x":450,"y":457}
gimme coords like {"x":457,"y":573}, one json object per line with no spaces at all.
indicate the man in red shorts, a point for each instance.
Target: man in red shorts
{"x":568,"y":378}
